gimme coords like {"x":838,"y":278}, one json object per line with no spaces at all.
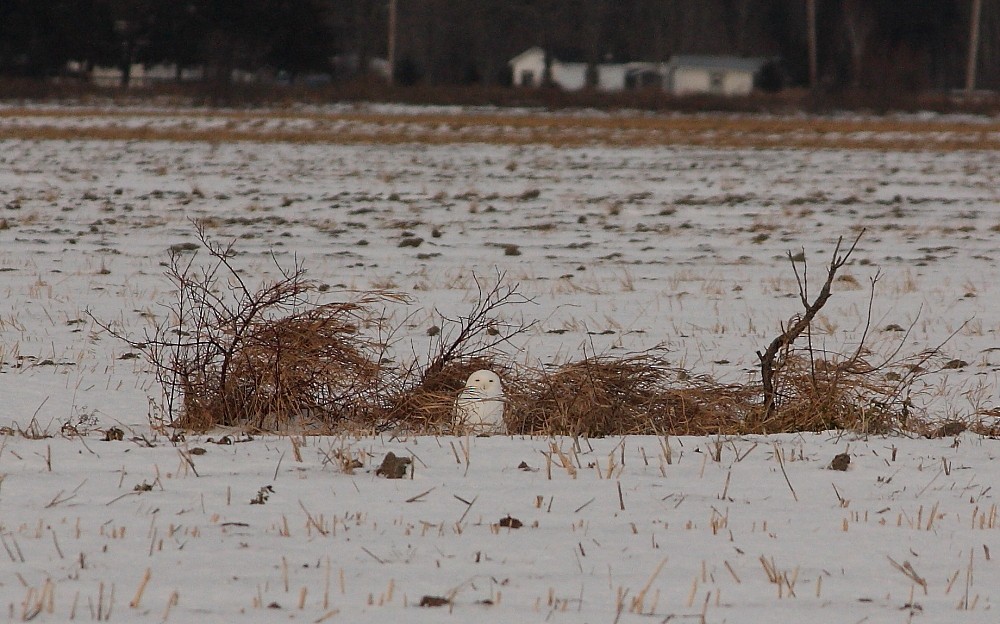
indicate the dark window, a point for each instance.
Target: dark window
{"x":715,"y":80}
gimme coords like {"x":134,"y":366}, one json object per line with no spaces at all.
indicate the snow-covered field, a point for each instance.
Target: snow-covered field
{"x":621,"y":249}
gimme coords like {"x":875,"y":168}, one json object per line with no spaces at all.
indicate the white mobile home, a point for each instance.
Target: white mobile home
{"x":718,"y":75}
{"x":683,"y":75}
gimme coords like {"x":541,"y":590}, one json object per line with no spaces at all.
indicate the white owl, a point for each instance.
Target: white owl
{"x":479,"y":407}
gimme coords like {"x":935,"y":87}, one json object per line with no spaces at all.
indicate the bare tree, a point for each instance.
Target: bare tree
{"x":811,"y":30}
{"x":859,"y":21}
{"x":592,"y":27}
{"x":391,"y":44}
{"x":769,"y":359}
{"x":970,"y":69}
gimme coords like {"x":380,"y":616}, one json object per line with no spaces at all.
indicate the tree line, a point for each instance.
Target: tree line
{"x":912,"y":45}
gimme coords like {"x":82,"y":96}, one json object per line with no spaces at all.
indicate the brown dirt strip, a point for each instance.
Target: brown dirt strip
{"x":614,"y":130}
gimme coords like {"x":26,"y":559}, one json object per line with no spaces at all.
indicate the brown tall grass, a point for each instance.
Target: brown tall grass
{"x":301,"y":371}
{"x":639,"y":393}
{"x":644,"y":394}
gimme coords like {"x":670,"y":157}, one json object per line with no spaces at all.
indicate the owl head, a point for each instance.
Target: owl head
{"x":485,"y":383}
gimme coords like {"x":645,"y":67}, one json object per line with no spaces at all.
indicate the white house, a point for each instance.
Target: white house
{"x":528,"y":70}
{"x":682,"y":75}
{"x":611,"y":76}
{"x":139,"y":74}
{"x":528,"y":67}
{"x":719,"y":75}
{"x":569,"y":76}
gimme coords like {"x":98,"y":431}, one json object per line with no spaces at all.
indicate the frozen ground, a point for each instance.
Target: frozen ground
{"x":621,"y":249}
{"x":909,"y":531}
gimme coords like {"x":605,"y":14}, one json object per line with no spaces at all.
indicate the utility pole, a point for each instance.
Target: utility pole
{"x":811,"y":27}
{"x":970,"y":69}
{"x":391,"y":51}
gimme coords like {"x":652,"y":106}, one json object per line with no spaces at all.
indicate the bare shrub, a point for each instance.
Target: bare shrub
{"x":270,"y":358}
{"x":803,"y":389}
{"x":769,"y":359}
{"x":275,"y":358}
{"x":482,"y":330}
{"x":310,"y":368}
{"x":800,"y":389}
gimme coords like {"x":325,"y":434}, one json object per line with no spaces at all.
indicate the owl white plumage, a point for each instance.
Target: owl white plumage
{"x":479,"y":407}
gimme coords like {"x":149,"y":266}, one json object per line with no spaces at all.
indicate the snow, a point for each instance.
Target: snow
{"x":620,"y":249}
{"x":368,"y":548}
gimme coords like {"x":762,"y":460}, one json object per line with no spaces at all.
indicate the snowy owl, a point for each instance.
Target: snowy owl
{"x":479,"y":407}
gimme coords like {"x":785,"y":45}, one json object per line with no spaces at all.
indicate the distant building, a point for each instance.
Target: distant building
{"x":139,"y":75}
{"x":682,"y":75}
{"x":349,"y":64}
{"x":528,"y":70}
{"x":719,"y":75}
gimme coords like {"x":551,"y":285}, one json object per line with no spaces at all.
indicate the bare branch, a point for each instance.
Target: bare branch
{"x":799,"y":323}
{"x":468,"y":341}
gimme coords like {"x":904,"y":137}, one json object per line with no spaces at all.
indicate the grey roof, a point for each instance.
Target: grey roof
{"x":734,"y":63}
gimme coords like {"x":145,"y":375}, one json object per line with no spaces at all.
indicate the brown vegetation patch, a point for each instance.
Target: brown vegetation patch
{"x":820,"y":395}
{"x":645,"y":394}
{"x":311,"y":369}
{"x":264,"y":358}
{"x":600,"y":396}
{"x":614,"y":129}
{"x":270,"y":359}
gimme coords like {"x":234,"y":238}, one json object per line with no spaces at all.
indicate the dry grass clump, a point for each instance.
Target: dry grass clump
{"x":308,"y":370}
{"x":274,"y":359}
{"x":825,"y":395}
{"x":264,"y":358}
{"x":797,"y":391}
{"x":424,"y":397}
{"x":644,"y":394}
{"x":600,"y":396}
{"x":803,"y":391}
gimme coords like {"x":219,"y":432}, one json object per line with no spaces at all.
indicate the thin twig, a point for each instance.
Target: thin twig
{"x":468,"y":504}
{"x":373,"y":555}
{"x":278,"y":467}
{"x":781,"y":463}
{"x":312,"y":521}
{"x":414,"y":499}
